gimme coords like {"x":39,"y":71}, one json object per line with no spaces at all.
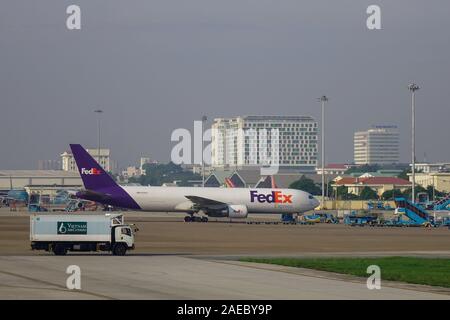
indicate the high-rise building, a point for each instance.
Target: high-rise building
{"x":68,"y":162}
{"x":252,"y":141}
{"x":379,"y":145}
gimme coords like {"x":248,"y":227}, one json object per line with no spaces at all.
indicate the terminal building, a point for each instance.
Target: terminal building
{"x":250,"y":141}
{"x":68,"y":162}
{"x":432,"y":167}
{"x":39,"y":181}
{"x":376,"y":146}
{"x":436,"y":175}
{"x":254,"y":179}
{"x":334,"y":169}
{"x":440,"y":181}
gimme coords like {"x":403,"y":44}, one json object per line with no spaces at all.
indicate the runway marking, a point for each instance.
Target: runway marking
{"x":60,"y":287}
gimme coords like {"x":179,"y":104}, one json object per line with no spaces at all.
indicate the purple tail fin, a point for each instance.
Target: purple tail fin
{"x":93,"y":176}
{"x":100,"y":186}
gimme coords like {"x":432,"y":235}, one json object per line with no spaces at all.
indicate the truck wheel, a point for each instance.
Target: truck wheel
{"x":59,"y":250}
{"x":119,"y":249}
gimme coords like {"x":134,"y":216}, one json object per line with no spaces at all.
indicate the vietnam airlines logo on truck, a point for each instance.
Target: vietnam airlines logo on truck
{"x":64,"y":227}
{"x":93,"y":171}
{"x":273,"y":197}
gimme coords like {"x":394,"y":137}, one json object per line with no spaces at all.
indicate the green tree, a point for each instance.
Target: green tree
{"x":307,"y":185}
{"x":404,"y":174}
{"x":328,"y":189}
{"x":368,"y":194}
{"x":391,"y":194}
{"x":158,"y":173}
{"x":408,"y":192}
{"x":343,"y":194}
{"x":434,"y":194}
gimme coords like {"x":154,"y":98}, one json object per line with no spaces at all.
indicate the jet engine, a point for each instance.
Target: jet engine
{"x":237,"y":211}
{"x":230,"y":211}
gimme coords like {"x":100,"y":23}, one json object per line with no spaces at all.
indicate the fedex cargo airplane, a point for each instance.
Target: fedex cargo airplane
{"x":212,"y":202}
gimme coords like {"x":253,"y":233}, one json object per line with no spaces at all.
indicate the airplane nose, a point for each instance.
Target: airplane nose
{"x":315,"y":203}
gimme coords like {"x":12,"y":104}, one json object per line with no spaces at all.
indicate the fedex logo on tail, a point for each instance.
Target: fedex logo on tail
{"x":92,"y":171}
{"x":273,"y":197}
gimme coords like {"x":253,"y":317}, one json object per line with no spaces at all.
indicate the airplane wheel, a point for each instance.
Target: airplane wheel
{"x":204,"y":219}
{"x":188,"y":219}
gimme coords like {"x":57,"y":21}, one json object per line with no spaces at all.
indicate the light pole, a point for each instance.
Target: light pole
{"x":434,"y":191}
{"x":413,"y":88}
{"x":323,"y":99}
{"x":99,"y":112}
{"x":204,"y":118}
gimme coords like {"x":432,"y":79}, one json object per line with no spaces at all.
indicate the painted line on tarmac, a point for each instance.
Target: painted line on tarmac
{"x":59,"y":287}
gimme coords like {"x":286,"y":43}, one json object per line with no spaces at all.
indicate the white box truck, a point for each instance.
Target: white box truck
{"x":74,"y":232}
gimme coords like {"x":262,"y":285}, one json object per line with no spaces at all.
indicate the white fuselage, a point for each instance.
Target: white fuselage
{"x":261,"y":200}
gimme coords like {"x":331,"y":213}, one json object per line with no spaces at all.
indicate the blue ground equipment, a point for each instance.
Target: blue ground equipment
{"x":443,"y":203}
{"x":18,"y":195}
{"x":360,"y":219}
{"x":416,"y":214}
{"x":287,"y":218}
{"x":327,"y":218}
{"x":311,"y":218}
{"x":379,"y":205}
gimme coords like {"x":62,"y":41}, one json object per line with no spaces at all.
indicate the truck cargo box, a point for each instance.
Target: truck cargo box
{"x":73,"y":227}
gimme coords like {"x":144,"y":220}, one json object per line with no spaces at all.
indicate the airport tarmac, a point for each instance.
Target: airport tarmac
{"x":178,"y":277}
{"x":177,"y":260}
{"x":163,"y":233}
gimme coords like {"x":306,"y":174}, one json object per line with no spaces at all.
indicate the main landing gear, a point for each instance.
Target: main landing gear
{"x":193,"y":218}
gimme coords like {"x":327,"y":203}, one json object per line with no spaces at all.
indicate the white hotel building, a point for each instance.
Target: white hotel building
{"x":69,"y":164}
{"x":250,"y":141}
{"x":376,"y":146}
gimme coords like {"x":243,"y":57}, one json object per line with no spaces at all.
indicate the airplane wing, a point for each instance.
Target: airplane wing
{"x":205,"y":202}
{"x":93,"y":195}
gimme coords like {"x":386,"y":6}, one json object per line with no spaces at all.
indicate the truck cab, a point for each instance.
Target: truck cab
{"x":123,"y":236}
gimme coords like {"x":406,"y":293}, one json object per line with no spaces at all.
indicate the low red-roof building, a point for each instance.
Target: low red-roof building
{"x":379,"y":184}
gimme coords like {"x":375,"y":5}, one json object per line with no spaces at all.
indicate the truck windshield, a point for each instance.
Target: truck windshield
{"x":126,"y":231}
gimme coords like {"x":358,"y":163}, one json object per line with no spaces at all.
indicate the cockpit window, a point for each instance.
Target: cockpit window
{"x":311,"y":197}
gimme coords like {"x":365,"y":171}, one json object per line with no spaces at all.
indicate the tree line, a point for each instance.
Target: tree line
{"x":156,"y":174}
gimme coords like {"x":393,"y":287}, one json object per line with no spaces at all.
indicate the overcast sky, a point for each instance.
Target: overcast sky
{"x":157,"y":65}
